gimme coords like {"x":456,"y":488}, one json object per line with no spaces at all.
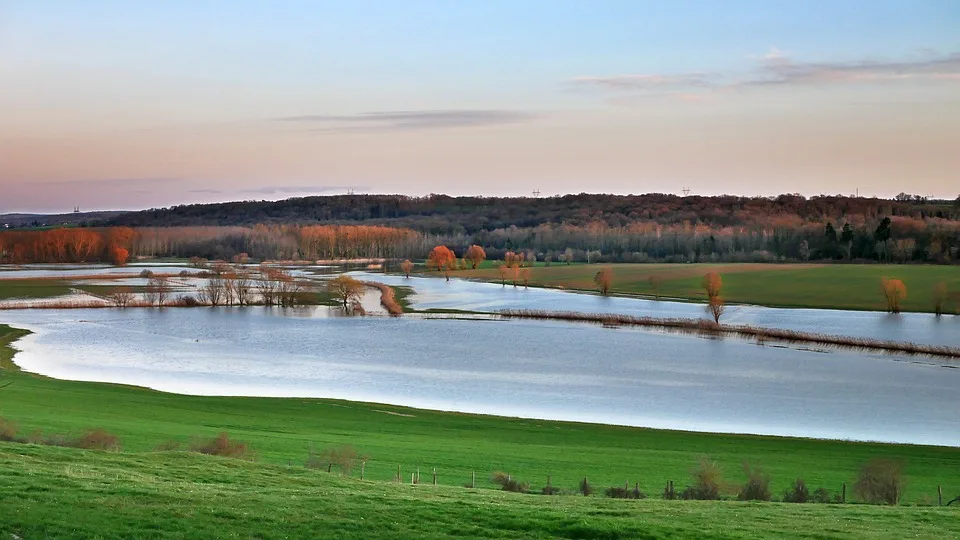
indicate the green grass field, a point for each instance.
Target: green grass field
{"x":32,"y":288}
{"x":67,"y":492}
{"x":788,"y":285}
{"x":60,"y":493}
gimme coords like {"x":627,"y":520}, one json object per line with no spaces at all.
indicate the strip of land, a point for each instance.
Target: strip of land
{"x":838,"y":286}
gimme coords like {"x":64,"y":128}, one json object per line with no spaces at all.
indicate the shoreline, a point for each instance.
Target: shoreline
{"x":7,"y":345}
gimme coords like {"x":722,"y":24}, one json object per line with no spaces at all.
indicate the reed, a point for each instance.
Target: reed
{"x":761,"y":334}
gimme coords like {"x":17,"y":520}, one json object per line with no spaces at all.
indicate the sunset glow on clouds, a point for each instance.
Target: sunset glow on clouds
{"x":109,"y":104}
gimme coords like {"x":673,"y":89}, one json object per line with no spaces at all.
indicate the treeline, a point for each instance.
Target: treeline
{"x":111,"y":244}
{"x":261,"y":242}
{"x":440,"y":214}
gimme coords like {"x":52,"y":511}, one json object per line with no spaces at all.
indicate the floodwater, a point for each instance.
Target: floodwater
{"x":437,"y":293}
{"x":536,"y":369}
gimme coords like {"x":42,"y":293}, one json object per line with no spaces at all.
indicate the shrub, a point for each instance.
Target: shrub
{"x":822,"y":496}
{"x":221,"y":445}
{"x":880,"y":481}
{"x":550,"y":490}
{"x":669,"y":494}
{"x":706,"y":482}
{"x":798,"y":493}
{"x":757,"y":487}
{"x":8,"y":430}
{"x":507,"y":482}
{"x":585,"y":488}
{"x":167,"y":446}
{"x":187,"y":301}
{"x":625,"y":493}
{"x":96,"y":439}
{"x":343,"y":457}
{"x":146,"y":273}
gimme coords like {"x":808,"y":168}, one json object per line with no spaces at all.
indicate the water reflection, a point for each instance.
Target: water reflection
{"x":536,"y":369}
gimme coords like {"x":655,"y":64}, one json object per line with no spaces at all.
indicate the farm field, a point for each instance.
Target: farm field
{"x":65,"y":493}
{"x":855,"y":287}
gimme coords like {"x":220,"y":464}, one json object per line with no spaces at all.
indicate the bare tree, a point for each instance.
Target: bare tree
{"x":158,"y":291}
{"x":655,"y":283}
{"x":241,"y":285}
{"x":121,"y":297}
{"x":716,"y":307}
{"x":213,"y":292}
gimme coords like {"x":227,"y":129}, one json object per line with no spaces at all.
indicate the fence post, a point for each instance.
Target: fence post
{"x":549,"y":483}
{"x":434,"y":476}
{"x":939,"y":495}
{"x":399,"y":478}
{"x":363,"y":465}
{"x":473,"y":480}
{"x":843,"y":496}
{"x":413,"y":479}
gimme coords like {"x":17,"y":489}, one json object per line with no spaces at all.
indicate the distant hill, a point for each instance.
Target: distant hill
{"x":441,"y":214}
{"x":77,"y":219}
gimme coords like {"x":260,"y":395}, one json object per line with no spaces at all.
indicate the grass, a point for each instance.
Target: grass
{"x":63,"y":493}
{"x":838,"y":286}
{"x":32,"y":288}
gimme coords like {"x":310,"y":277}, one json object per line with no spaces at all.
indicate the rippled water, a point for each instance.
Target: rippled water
{"x":517,"y":368}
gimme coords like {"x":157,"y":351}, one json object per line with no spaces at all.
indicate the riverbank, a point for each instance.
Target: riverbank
{"x":840,"y":286}
{"x":283,"y":430}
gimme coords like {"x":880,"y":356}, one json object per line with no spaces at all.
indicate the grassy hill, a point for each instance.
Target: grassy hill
{"x":63,"y":493}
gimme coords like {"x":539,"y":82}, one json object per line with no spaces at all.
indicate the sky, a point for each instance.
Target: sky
{"x":139,"y":104}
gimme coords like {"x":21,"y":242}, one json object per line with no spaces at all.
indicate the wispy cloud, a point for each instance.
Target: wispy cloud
{"x":114,"y":182}
{"x":782,"y":70}
{"x":291,"y":190}
{"x":649,"y":81}
{"x":778,"y":68}
{"x":410,"y":120}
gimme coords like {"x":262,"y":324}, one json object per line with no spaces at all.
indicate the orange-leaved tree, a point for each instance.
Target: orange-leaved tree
{"x":712,"y":283}
{"x":895,"y":291}
{"x":440,"y":258}
{"x":604,"y":280}
{"x":475,"y":254}
{"x":407,"y":267}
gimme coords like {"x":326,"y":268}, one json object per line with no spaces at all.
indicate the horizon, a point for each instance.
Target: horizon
{"x":528,"y":196}
{"x":137,"y":105}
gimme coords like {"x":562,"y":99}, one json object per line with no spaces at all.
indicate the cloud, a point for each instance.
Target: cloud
{"x":777,"y":68}
{"x":206,"y":191}
{"x":410,"y":120}
{"x":647,"y":81}
{"x":114,"y":182}
{"x":781,"y":70}
{"x":288,"y":190}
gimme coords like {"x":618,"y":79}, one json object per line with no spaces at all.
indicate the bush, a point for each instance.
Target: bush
{"x":146,"y":273}
{"x":167,"y":446}
{"x":343,"y":457}
{"x":822,"y":496}
{"x":585,"y":488}
{"x":625,"y":493}
{"x":757,"y":487}
{"x":550,"y":490}
{"x":222,"y":446}
{"x":8,"y":430}
{"x":706,"y":482}
{"x":507,"y":482}
{"x":798,"y":493}
{"x":96,"y":439}
{"x":187,"y":301}
{"x":880,"y":482}
{"x":669,"y":494}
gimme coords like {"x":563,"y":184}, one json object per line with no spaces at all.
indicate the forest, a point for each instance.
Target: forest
{"x":587,"y":228}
